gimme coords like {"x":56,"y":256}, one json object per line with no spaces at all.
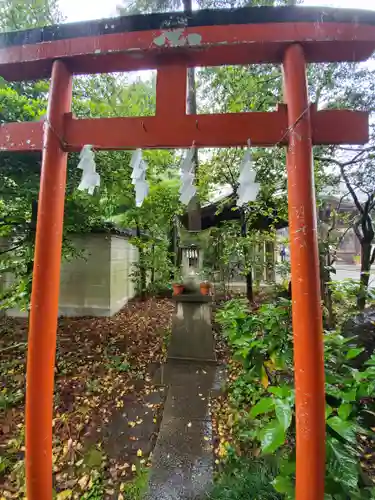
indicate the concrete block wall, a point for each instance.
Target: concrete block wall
{"x":98,"y":283}
{"x":85,"y":285}
{"x":123,"y":257}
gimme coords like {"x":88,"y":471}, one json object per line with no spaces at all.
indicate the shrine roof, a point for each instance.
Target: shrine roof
{"x":202,"y":38}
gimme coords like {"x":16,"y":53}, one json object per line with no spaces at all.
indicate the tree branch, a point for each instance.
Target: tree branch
{"x":372,"y":205}
{"x":234,"y":182}
{"x":353,"y":161}
{"x":4,"y":222}
{"x":14,"y":346}
{"x":356,"y":230}
{"x":334,"y":218}
{"x":13,"y":248}
{"x":366,"y":205}
{"x":372,"y":260}
{"x":364,"y":150}
{"x":342,"y":236}
{"x":351,"y":190}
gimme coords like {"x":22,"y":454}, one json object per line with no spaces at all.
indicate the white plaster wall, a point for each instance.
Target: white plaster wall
{"x":123,"y":256}
{"x":99,"y":282}
{"x":85,"y":281}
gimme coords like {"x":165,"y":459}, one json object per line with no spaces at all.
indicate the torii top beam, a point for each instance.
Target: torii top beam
{"x":203,"y":38}
{"x":173,"y":42}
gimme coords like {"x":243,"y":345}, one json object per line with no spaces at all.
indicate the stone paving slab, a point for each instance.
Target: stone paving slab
{"x":182,"y":466}
{"x":132,"y":427}
{"x":174,"y":372}
{"x":182,"y":461}
{"x":181,"y":404}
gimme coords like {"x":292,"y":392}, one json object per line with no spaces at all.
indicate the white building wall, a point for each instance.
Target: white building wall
{"x":98,"y":283}
{"x":123,"y":257}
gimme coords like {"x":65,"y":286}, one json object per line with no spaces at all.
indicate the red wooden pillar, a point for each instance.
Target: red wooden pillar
{"x":45,"y":291}
{"x":307,"y":314}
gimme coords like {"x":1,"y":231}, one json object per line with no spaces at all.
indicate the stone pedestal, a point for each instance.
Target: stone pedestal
{"x":192,"y":336}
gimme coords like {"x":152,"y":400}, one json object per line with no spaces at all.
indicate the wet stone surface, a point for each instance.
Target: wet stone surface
{"x":134,"y":426}
{"x":182,"y":465}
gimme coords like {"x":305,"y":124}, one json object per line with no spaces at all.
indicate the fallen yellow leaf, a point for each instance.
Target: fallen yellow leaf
{"x":84,"y":481}
{"x":63,"y":495}
{"x":264,"y":379}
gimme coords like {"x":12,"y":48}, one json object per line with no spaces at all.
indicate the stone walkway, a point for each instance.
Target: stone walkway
{"x":182,"y":466}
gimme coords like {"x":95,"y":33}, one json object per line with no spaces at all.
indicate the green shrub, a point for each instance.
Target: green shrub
{"x":137,"y":487}
{"x":9,"y":399}
{"x":246,"y":479}
{"x":344,"y":296}
{"x":262,"y":341}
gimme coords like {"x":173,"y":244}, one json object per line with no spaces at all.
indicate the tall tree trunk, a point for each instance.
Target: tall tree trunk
{"x":249,"y":286}
{"x":325,"y":289}
{"x":259,"y":267}
{"x":249,"y":274}
{"x":173,"y":247}
{"x":194,"y":215}
{"x":270,"y":262}
{"x":153,"y":264}
{"x":366,"y":237}
{"x":188,"y":6}
{"x":32,"y":235}
{"x":365,"y":274}
{"x":326,"y":262}
{"x":142,"y":266}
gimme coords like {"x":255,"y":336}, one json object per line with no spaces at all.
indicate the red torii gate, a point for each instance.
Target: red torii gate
{"x":171,"y":43}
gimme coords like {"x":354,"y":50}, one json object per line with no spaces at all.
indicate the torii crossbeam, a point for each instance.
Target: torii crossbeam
{"x":171,"y":43}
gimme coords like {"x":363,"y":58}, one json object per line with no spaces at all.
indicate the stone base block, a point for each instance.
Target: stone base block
{"x":192,"y":336}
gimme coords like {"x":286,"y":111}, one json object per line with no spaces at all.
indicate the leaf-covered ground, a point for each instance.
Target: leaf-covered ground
{"x":107,"y":412}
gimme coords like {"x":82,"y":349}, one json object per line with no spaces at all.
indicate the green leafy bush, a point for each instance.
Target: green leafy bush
{"x":96,"y":489}
{"x":262,"y":341}
{"x":344,"y":296}
{"x":246,"y":479}
{"x":8,"y":399}
{"x":137,"y":487}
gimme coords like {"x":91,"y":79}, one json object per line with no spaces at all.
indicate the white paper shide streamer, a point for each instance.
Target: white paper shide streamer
{"x":90,"y":178}
{"x":248,"y":189}
{"x":187,"y":189}
{"x":139,"y":168}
